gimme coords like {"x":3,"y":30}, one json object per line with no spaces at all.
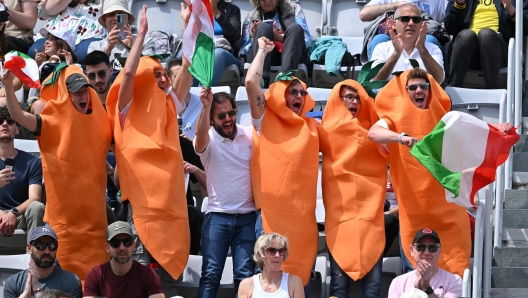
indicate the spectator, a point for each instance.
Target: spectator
{"x":284,"y":24}
{"x":420,"y":107}
{"x":287,"y":140}
{"x":110,"y":45}
{"x":73,"y":133}
{"x":42,"y":274}
{"x":349,"y":209}
{"x":20,"y":194}
{"x":481,"y":30}
{"x":4,"y":18}
{"x":79,"y":16}
{"x":408,"y":43}
{"x":53,"y":294}
{"x":269,"y":253}
{"x":375,"y":8}
{"x":227,"y":34}
{"x":225,"y":151}
{"x":22,"y":19}
{"x":122,"y":276}
{"x":99,"y":70}
{"x":59,"y":47}
{"x":428,"y":278}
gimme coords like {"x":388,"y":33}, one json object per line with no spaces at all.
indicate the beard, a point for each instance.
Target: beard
{"x":102,"y":90}
{"x":47,"y":263}
{"x":116,"y":258}
{"x":220,"y":130}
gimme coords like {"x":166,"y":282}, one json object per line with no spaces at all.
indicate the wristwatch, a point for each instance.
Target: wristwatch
{"x":15,"y":211}
{"x":429,"y":291}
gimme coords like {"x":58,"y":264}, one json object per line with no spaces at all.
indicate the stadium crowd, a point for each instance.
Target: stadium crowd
{"x":119,"y":134}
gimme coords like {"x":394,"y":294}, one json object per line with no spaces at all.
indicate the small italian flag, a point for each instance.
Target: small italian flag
{"x":23,"y":67}
{"x":463,"y":154}
{"x":199,"y":44}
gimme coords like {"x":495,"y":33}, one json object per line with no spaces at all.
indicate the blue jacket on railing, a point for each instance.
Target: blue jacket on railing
{"x":332,"y":49}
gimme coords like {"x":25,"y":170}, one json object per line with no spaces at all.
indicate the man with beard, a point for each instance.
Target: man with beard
{"x":42,"y":246}
{"x":122,"y":276}
{"x":99,"y":71}
{"x":225,"y":151}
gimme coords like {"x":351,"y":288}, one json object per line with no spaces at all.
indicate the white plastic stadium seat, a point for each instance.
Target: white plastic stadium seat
{"x":301,"y":74}
{"x":243,"y":110}
{"x":320,"y":95}
{"x":343,"y":18}
{"x":30,"y":146}
{"x":10,"y":265}
{"x":481,"y":103}
{"x":162,"y":16}
{"x":215,"y":89}
{"x":192,"y":273}
{"x":321,"y":266}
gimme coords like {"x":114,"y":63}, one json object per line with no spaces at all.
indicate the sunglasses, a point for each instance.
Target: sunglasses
{"x":295,"y":92}
{"x":406,"y":19}
{"x":9,"y":121}
{"x":350,"y":98}
{"x":413,"y":87}
{"x":230,"y":113}
{"x":52,"y":246}
{"x":273,"y":251}
{"x":115,"y":243}
{"x":421,"y":247}
{"x":101,"y":74}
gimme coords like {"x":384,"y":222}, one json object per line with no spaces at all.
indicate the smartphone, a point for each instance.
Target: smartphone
{"x":9,"y":164}
{"x":122,"y":21}
{"x":269,"y":22}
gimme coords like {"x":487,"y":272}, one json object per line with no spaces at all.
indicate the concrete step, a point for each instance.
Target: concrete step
{"x":511,"y":256}
{"x":515,"y":218}
{"x":520,"y":161}
{"x":513,"y":234}
{"x":516,"y":199}
{"x":518,"y":244}
{"x":520,"y":180}
{"x":509,"y":293}
{"x":509,"y":277}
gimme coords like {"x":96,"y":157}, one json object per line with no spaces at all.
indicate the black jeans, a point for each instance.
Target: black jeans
{"x":293,"y":53}
{"x":487,"y":51}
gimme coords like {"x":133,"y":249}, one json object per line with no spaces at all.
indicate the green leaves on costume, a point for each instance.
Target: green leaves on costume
{"x":285,"y":76}
{"x":366,"y":75}
{"x":55,"y":74}
{"x":414,"y":63}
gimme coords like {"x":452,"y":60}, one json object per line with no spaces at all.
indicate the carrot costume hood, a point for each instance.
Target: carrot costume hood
{"x":354,"y":179}
{"x":73,"y":148}
{"x":150,"y":167}
{"x":284,"y":174}
{"x":420,"y":197}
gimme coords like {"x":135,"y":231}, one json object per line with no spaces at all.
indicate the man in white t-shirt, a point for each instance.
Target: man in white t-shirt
{"x":408,"y":42}
{"x":435,"y":8}
{"x":225,"y":150}
{"x":428,"y":277}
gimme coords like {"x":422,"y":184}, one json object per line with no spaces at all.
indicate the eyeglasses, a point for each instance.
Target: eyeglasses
{"x":421,"y":247}
{"x":406,"y":19}
{"x":101,"y":74}
{"x":9,"y":121}
{"x":414,"y":87}
{"x":350,"y":98}
{"x":230,"y":113}
{"x":115,"y":243}
{"x":52,"y":246}
{"x":295,"y":92}
{"x":271,"y":251}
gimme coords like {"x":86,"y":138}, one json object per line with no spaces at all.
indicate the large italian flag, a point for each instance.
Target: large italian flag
{"x":23,"y":67}
{"x":199,"y":45}
{"x":463,"y":154}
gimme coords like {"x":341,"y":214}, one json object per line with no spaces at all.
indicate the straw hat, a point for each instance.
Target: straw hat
{"x":115,"y":5}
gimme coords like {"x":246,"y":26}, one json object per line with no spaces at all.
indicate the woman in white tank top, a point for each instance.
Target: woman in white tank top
{"x":270,"y":251}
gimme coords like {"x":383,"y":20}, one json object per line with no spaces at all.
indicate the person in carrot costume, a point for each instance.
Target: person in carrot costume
{"x":143,"y":113}
{"x":409,"y":107}
{"x":74,"y":134}
{"x":354,"y":178}
{"x":285,"y":162}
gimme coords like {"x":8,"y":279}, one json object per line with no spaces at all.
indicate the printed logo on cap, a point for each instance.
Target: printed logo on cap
{"x":427,"y":231}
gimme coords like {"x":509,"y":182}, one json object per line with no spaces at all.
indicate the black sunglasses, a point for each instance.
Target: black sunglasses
{"x":101,"y":74}
{"x":9,"y":121}
{"x":115,"y":243}
{"x":230,"y":113}
{"x":423,"y":86}
{"x":295,"y":92}
{"x":52,"y":246}
{"x":421,"y":247}
{"x":273,"y":251}
{"x":406,"y":19}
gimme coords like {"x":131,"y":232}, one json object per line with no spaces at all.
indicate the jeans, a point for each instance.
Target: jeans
{"x":220,"y":231}
{"x":340,"y":281}
{"x":223,"y":59}
{"x":81,"y":49}
{"x":385,"y":37}
{"x":406,"y":264}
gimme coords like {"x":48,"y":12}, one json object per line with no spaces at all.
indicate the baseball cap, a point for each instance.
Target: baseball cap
{"x":118,"y":228}
{"x":42,"y":231}
{"x":75,"y":81}
{"x":426,"y":232}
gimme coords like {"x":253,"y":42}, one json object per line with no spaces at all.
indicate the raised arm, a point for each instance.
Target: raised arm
{"x":183,"y":82}
{"x":430,"y":63}
{"x":204,"y":122}
{"x":390,"y":63}
{"x":27,"y":18}
{"x":370,"y":12}
{"x":257,"y":101}
{"x":54,"y":7}
{"x":25,"y":119}
{"x":127,"y":86}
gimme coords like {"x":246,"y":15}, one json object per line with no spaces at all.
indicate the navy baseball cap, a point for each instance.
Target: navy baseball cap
{"x":42,"y":231}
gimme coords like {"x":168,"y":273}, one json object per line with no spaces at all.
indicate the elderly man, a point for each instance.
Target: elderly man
{"x":408,"y":42}
{"x":428,"y":277}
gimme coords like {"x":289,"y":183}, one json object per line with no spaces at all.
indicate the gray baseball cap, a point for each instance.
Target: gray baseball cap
{"x":118,"y":228}
{"x":75,"y":81}
{"x":42,"y":231}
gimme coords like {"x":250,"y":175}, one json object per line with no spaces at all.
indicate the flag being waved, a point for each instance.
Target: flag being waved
{"x":199,"y":44}
{"x":463,"y":154}
{"x":23,"y":67}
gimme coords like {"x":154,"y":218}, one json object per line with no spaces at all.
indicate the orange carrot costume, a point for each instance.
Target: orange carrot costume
{"x":354,"y":181}
{"x":150,"y":167}
{"x":73,"y":147}
{"x":288,"y":154}
{"x":420,"y":197}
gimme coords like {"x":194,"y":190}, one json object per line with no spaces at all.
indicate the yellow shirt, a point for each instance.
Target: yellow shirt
{"x":485,"y":16}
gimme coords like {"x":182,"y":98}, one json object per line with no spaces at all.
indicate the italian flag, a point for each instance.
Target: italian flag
{"x":463,"y":154}
{"x":23,"y":67}
{"x":199,"y":44}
